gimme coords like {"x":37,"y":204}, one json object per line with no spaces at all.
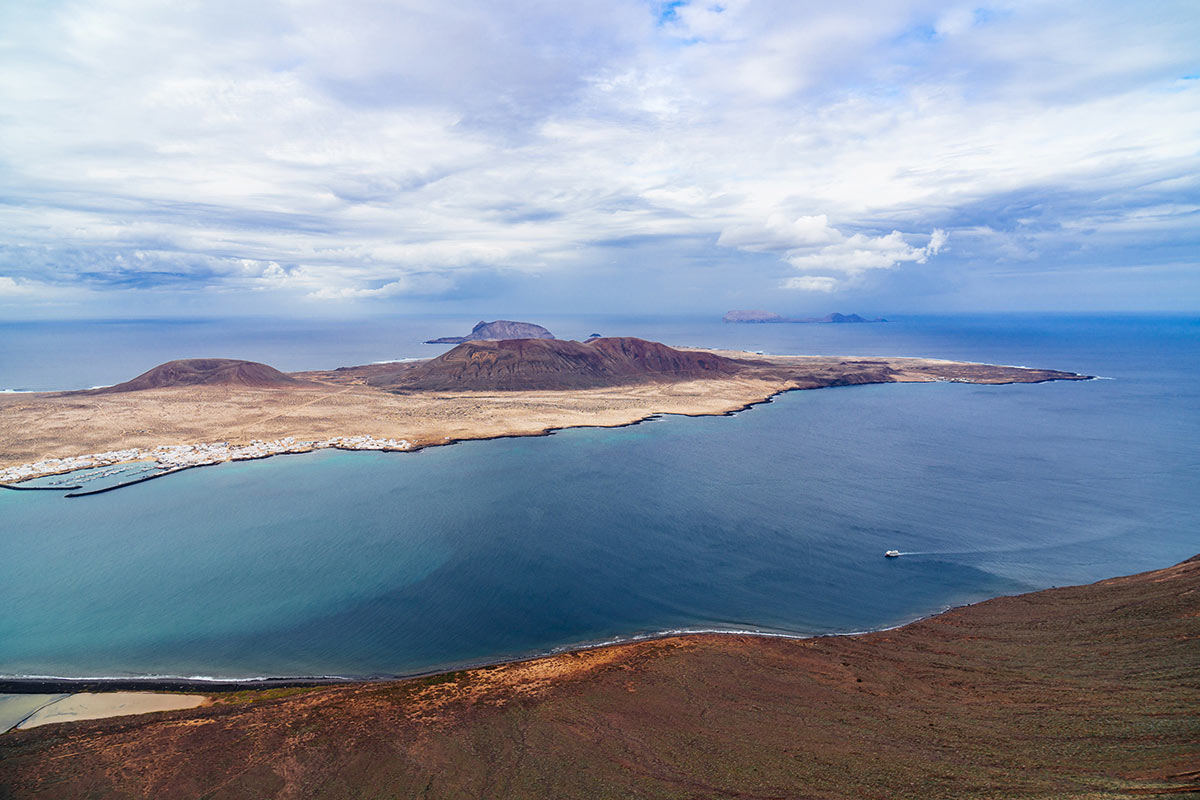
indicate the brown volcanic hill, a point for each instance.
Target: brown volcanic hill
{"x":1081,"y":692}
{"x":500,"y":329}
{"x":206,"y":372}
{"x":539,"y":364}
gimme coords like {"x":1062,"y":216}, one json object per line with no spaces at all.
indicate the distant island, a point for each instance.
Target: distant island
{"x":499,"y":330}
{"x":193,"y":412}
{"x":756,"y":316}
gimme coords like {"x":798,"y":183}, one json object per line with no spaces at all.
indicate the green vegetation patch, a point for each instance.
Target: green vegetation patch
{"x":258,"y":695}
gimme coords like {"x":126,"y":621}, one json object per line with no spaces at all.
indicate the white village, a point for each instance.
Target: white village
{"x":166,"y":458}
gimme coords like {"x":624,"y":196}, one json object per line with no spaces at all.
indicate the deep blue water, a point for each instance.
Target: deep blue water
{"x":775,"y":518}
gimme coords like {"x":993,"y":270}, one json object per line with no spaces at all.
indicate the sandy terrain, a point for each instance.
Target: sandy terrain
{"x":340,"y":403}
{"x":77,"y":707}
{"x":16,"y":707}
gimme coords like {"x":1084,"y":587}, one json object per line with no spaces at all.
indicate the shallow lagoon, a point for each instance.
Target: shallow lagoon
{"x":773,"y":519}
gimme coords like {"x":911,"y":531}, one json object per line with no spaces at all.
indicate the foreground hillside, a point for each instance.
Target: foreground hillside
{"x":1089,"y":691}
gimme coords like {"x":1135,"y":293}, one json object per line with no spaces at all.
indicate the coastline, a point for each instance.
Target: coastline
{"x":1005,"y":695}
{"x":40,"y":684}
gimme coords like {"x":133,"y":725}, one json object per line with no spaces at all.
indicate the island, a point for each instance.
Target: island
{"x":1086,"y":691}
{"x":499,"y":329}
{"x":757,"y":317}
{"x":197,"y":412}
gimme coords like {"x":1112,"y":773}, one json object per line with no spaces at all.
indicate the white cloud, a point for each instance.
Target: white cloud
{"x":937,"y":240}
{"x":811,"y":244}
{"x":811,"y":283}
{"x":418,"y":285}
{"x":364,"y":149}
{"x":10,"y":287}
{"x":857,"y":254}
{"x":780,"y":234}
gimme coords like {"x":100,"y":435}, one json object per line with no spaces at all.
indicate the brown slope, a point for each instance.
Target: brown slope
{"x":544,"y":364}
{"x":206,"y":372}
{"x":1089,"y":691}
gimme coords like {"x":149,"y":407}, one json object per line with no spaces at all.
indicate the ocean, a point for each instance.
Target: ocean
{"x":774,"y":519}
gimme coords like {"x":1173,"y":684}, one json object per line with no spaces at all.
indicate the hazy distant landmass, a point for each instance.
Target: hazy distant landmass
{"x":547,"y":363}
{"x":757,"y":316}
{"x":206,"y":372}
{"x":498,"y":330}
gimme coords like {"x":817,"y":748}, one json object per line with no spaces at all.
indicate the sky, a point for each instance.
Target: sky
{"x":416,"y":156}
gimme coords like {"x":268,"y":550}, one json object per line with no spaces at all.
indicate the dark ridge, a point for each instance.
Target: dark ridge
{"x":498,"y":330}
{"x":536,"y":364}
{"x":205,"y":372}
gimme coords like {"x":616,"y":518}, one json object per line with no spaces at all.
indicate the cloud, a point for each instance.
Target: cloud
{"x":9,"y":287}
{"x":382,"y":152}
{"x":411,"y":285}
{"x":937,"y":240}
{"x":811,"y":244}
{"x":811,"y":283}
{"x":780,"y":234}
{"x":854,"y":255}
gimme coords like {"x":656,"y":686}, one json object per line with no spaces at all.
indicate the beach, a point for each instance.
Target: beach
{"x":36,"y":710}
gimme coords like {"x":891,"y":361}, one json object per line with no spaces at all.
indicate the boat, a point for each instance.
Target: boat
{"x":892,"y":554}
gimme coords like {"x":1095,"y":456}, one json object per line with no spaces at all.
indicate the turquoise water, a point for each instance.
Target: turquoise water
{"x":775,"y":519}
